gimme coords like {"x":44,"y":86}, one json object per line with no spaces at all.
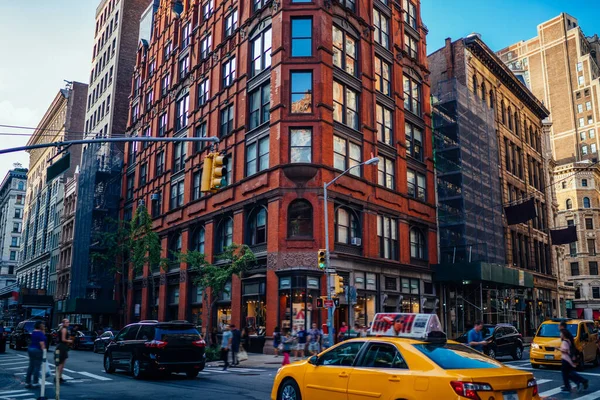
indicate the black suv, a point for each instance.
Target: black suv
{"x":21,"y":337}
{"x":151,"y":347}
{"x":505,"y":341}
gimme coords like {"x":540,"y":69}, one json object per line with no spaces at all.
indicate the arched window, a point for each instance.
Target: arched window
{"x":417,"y":244}
{"x":260,"y":47}
{"x":586,"y":202}
{"x":483,"y":91}
{"x":347,"y":225}
{"x":491,"y":98}
{"x":21,"y":186}
{"x":300,"y":219}
{"x":224,"y":236}
{"x":510,"y":119}
{"x":174,"y":246}
{"x":475,"y":85}
{"x":569,"y":204}
{"x":257,"y":226}
{"x":197,"y":240}
{"x":502,"y":112}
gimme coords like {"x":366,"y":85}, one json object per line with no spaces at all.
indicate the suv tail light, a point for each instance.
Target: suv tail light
{"x":533,"y":384}
{"x":469,"y":390}
{"x":199,"y":343}
{"x":156,"y":344}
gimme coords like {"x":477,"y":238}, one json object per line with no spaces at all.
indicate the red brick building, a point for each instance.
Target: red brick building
{"x":297,"y":91}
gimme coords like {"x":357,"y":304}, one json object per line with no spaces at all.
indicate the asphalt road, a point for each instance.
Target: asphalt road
{"x":88,"y":381}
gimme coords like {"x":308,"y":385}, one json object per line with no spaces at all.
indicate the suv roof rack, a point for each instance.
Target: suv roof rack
{"x":148,"y":321}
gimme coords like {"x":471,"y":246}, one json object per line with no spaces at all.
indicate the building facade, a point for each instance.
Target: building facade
{"x":490,"y":153}
{"x":577,"y":192}
{"x":63,"y":120}
{"x":297,"y":93}
{"x":12,"y":200}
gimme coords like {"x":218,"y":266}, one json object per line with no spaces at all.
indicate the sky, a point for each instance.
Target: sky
{"x":44,"y":42}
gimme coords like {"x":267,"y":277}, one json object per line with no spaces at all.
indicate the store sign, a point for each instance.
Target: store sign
{"x":569,"y":304}
{"x":407,"y":325}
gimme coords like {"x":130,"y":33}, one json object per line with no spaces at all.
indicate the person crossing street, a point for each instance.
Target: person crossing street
{"x":36,"y":351}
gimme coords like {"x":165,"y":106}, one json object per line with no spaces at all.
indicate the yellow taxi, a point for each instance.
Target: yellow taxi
{"x":405,"y":356}
{"x":545,"y":348}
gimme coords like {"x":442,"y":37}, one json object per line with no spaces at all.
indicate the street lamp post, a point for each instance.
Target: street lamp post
{"x":328,"y":269}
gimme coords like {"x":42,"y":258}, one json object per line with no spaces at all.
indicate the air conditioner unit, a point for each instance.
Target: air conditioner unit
{"x":155,"y":196}
{"x":356,"y":241}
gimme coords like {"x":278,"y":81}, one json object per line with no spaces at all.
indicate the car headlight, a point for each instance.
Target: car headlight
{"x":535,"y":346}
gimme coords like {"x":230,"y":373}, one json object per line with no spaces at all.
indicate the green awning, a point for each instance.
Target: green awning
{"x":481,"y":272}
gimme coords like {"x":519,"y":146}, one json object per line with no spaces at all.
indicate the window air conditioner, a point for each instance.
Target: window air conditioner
{"x":355,"y":241}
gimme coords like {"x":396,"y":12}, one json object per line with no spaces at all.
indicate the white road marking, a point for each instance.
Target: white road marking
{"x":556,"y":371}
{"x":15,"y":363}
{"x":218,"y":371}
{"x":551,"y":392}
{"x":21,"y":367}
{"x":591,"y":396}
{"x":5,"y":392}
{"x":542,"y":381}
{"x":94,"y":376}
{"x":10,"y":396}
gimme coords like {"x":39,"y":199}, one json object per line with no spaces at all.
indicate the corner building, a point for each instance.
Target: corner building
{"x":297,"y":92}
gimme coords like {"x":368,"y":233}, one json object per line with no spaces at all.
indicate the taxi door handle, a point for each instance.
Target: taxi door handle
{"x":343,"y":375}
{"x":394,"y":379}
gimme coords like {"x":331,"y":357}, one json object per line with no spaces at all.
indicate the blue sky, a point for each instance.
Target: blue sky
{"x":501,"y":22}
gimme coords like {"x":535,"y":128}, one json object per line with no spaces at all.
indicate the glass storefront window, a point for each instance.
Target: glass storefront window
{"x":254,"y":306}
{"x":298,"y":302}
{"x":223,"y":316}
{"x":371,"y":282}
{"x":410,"y":304}
{"x":364,"y":310}
{"x":359,"y":282}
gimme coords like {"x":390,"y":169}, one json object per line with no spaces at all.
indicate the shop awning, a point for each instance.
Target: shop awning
{"x":481,"y":272}
{"x":89,"y":306}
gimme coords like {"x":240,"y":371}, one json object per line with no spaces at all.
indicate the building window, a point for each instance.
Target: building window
{"x":148,"y":100}
{"x":18,"y":211}
{"x":593,"y":148}
{"x":13,"y":255}
{"x":186,"y":34}
{"x":573,"y":249}
{"x":203,"y":92}
{"x":260,"y":43}
{"x":596,"y":292}
{"x":258,"y":4}
{"x":584,"y":182}
{"x":382,"y":28}
{"x":198,"y":239}
{"x":224,"y":236}
{"x":231,"y":23}
{"x":417,"y":244}
{"x":130,"y":186}
{"x":207,"y":9}
{"x":584,"y":150}
{"x":257,"y":226}
{"x":160,"y":163}
{"x":184,"y":67}
{"x":257,"y":156}
{"x":410,"y":13}
{"x":228,"y":72}
{"x":226,"y":121}
{"x":586,"y":202}
{"x":260,"y":105}
{"x":165,"y":83}
{"x":179,"y":156}
{"x":196,"y":182}
{"x":227,"y":178}
{"x":412,"y":95}
{"x":589,"y":223}
{"x":16,"y":227}
{"x":386,"y":172}
{"x":345,"y":105}
{"x":383,"y":76}
{"x":345,"y":52}
{"x":574,"y":269}
{"x":351,"y":4}
{"x":384,"y":125}
{"x":593,"y":268}
{"x":414,"y":141}
{"x":416,"y":185}
{"x":569,"y":204}
{"x":143,"y":173}
{"x":300,"y":145}
{"x":162,"y":124}
{"x":346,"y":154}
{"x":301,"y":37}
{"x":591,"y":244}
{"x":411,"y":46}
{"x":347,"y":226}
{"x":182,"y":108}
{"x":205,"y":47}
{"x":301,"y":91}
{"x":200,"y":131}
{"x":174,"y":246}
{"x":300,"y":219}
{"x":387,"y":231}
{"x":177,"y":190}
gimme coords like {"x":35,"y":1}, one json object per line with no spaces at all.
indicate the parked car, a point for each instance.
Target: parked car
{"x":21,"y":336}
{"x":151,"y":347}
{"x":83,"y":340}
{"x":505,"y":341}
{"x":102,"y":341}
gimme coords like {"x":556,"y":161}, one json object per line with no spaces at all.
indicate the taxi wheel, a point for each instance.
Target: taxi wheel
{"x":518,"y":354}
{"x":289,"y":391}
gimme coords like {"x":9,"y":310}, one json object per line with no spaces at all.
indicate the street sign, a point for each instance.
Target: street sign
{"x":58,"y":167}
{"x":328,"y":303}
{"x":330,"y":271}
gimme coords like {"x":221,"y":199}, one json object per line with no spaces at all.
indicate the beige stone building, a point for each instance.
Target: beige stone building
{"x":577,"y":192}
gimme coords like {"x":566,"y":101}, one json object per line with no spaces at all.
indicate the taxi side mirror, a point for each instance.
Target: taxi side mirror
{"x":314,"y":360}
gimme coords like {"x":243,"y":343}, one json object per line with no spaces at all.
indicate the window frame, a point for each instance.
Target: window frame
{"x":203,"y":92}
{"x":348,"y":160}
{"x":302,"y":39}
{"x":229,"y":125}
{"x":416,"y":189}
{"x":383,"y":173}
{"x":392,"y":240}
{"x":311,"y":224}
{"x":385,"y":127}
{"x":344,"y":51}
{"x":253,"y":229}
{"x":292,"y":92}
{"x":344,"y":105}
{"x":411,"y":104}
{"x":410,"y":129}
{"x":353,"y":229}
{"x":228,"y":72}
{"x":419,"y":244}
{"x":380,"y":34}
{"x":230,"y":24}
{"x":293,"y":147}
{"x":264,"y":108}
{"x":263,"y":31}
{"x":176,"y":197}
{"x":383,"y":85}
{"x":258,"y":158}
{"x":182,"y":108}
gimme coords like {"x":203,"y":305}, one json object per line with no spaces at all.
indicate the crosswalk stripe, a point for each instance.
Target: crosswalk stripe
{"x":21,"y":367}
{"x":18,"y":395}
{"x":218,"y":371}
{"x":542,"y":381}
{"x":15,"y":362}
{"x":5,"y":392}
{"x":94,"y":376}
{"x":550,"y":392}
{"x":66,"y":377}
{"x":591,"y":396}
{"x":554,"y":371}
{"x":10,"y":358}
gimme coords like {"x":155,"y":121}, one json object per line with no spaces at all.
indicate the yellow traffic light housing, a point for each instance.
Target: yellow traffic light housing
{"x":218,"y":170}
{"x":338,"y":284}
{"x":206,"y":173}
{"x":322,"y":259}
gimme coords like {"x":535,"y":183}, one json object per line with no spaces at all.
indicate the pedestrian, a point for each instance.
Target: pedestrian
{"x":568,"y":356}
{"x":236,"y":339}
{"x":245,"y":339}
{"x":342,"y":333}
{"x":36,"y":354}
{"x":61,"y":352}
{"x":301,"y":345}
{"x":226,"y":346}
{"x":213,"y":337}
{"x":276,"y":340}
{"x":314,"y":336}
{"x":287,"y":342}
{"x":475,"y":337}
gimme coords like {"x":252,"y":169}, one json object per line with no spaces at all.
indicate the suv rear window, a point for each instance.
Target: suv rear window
{"x":553,"y":330}
{"x":168,"y":333}
{"x":455,"y":356}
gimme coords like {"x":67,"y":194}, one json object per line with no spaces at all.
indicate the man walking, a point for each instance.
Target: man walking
{"x":61,"y":353}
{"x":315,"y":338}
{"x":36,"y":352}
{"x":475,"y":337}
{"x":236,"y":338}
{"x":226,"y":346}
{"x":301,"y":345}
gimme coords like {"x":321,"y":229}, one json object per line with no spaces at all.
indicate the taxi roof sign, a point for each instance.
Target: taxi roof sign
{"x":406,"y":325}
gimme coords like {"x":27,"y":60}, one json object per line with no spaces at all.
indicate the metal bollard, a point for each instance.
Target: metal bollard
{"x":57,"y":377}
{"x":43,"y":388}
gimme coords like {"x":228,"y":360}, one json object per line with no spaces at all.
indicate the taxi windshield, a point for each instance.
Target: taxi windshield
{"x":553,"y":330}
{"x":455,"y":356}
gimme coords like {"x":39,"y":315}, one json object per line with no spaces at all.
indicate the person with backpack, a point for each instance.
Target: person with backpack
{"x":568,"y":358}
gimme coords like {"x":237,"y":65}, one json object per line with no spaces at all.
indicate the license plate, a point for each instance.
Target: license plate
{"x":549,"y":357}
{"x":510,"y":396}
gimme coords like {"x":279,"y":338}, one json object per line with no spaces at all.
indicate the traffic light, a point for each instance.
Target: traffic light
{"x":319,"y":302}
{"x":206,"y":173}
{"x":218,"y":170}
{"x":338,"y":284}
{"x":322,"y":257}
